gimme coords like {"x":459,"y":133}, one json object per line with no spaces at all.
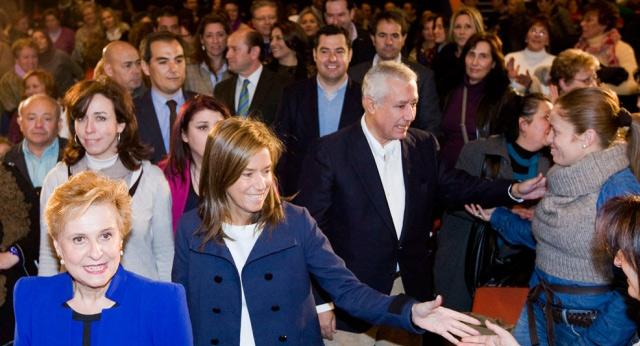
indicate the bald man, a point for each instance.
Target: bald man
{"x":121,"y":62}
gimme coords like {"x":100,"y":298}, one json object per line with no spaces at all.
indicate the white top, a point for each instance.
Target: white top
{"x":251,"y":88}
{"x":389,"y":163}
{"x":529,"y":61}
{"x":244,"y":238}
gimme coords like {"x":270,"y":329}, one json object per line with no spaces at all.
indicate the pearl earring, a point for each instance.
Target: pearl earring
{"x":61,"y":261}
{"x":584,"y":146}
{"x":121,"y":253}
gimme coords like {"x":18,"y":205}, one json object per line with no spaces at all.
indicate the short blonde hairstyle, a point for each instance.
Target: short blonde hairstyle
{"x":72,"y":199}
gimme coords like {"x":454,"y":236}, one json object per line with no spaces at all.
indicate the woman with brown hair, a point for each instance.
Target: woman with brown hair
{"x":104,"y":138}
{"x":182,"y":167}
{"x":245,"y":256}
{"x":573,"y":299}
{"x":473,"y":97}
{"x":210,"y":65}
{"x":288,"y":45}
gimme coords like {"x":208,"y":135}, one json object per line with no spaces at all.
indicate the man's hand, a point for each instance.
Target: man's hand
{"x":8,"y":260}
{"x":502,"y":338}
{"x":533,"y":188}
{"x":440,"y":320}
{"x":327,"y":324}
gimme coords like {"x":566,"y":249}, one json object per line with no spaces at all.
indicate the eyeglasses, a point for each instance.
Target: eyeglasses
{"x":538,"y":33}
{"x":265,"y":18}
{"x":593,"y":79}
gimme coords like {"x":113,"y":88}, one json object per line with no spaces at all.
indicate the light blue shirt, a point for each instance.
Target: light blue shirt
{"x":330,"y":108}
{"x":215,"y":78}
{"x":163,"y":113}
{"x":38,"y":167}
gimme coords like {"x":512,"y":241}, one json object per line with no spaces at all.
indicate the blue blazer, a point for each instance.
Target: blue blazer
{"x":148,"y":313}
{"x":276,"y":284}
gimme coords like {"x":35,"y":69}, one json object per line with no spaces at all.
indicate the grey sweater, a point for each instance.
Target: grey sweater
{"x":564,"y":221}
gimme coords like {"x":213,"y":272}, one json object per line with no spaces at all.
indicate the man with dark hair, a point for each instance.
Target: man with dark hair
{"x":389,"y":33}
{"x":253,"y":90}
{"x":163,"y":61}
{"x":166,"y":19}
{"x":340,"y":12}
{"x":264,"y":15}
{"x":317,"y":106}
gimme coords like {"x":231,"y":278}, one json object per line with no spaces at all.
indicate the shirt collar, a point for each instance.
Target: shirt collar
{"x":390,"y":149}
{"x":47,"y":150}
{"x":339,"y":89}
{"x":253,"y":78}
{"x":159,"y":99}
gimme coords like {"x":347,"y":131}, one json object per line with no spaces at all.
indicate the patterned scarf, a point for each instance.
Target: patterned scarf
{"x":606,"y":53}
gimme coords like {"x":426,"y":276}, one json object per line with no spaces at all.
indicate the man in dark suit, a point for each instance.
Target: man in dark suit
{"x":340,"y":12}
{"x":41,"y":149}
{"x":372,"y":186}
{"x":317,"y":106}
{"x":390,"y":29}
{"x":163,"y":60}
{"x":258,"y":88}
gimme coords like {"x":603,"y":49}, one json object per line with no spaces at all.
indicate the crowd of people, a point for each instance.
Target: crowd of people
{"x":211,"y":174}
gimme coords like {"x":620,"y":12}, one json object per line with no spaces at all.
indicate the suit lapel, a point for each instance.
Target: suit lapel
{"x":229,"y":94}
{"x":151,"y":124}
{"x":262,"y":90}
{"x":312,"y":121}
{"x":361,"y":158}
{"x":411,"y":180}
{"x":350,"y":109}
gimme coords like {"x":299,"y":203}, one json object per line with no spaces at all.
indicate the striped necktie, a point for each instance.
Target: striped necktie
{"x":243,"y":103}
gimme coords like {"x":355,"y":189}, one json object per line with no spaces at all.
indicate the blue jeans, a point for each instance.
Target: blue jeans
{"x":612,"y":327}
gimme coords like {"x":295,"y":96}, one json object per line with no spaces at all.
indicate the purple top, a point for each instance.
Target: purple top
{"x":452,"y":115}
{"x":179,"y":191}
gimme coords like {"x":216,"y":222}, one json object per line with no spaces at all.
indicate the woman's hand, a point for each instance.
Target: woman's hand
{"x":512,"y":70}
{"x":523,"y":79}
{"x":524,"y":213}
{"x":8,"y":260}
{"x":477,"y":211}
{"x":502,"y":338}
{"x":440,"y":320}
{"x":533,"y":188}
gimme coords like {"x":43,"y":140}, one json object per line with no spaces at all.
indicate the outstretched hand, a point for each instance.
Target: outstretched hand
{"x":533,"y":188}
{"x":502,"y":338}
{"x":478,"y":212}
{"x":442,"y":321}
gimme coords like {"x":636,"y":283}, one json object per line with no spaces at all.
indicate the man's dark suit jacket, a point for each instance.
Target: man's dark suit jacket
{"x":341,"y":187}
{"x":264,"y":103}
{"x":428,"y":116}
{"x":148,"y":125}
{"x":363,"y":49}
{"x":297,"y":125}
{"x":15,"y":157}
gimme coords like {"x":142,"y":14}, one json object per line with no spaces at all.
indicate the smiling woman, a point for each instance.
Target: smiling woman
{"x":96,"y":301}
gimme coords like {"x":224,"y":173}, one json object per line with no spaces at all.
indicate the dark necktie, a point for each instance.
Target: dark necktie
{"x":172,"y":116}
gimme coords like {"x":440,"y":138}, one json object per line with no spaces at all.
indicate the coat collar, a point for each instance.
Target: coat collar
{"x":115,"y":291}
{"x":271,"y":240}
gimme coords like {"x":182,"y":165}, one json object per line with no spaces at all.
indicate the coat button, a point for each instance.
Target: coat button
{"x":217,"y":279}
{"x":214,"y":341}
{"x":216,"y":310}
{"x":282,"y":338}
{"x":275,"y":308}
{"x":268,"y":276}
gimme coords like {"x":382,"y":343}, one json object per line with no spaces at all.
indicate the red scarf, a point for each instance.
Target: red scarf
{"x":606,"y":52}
